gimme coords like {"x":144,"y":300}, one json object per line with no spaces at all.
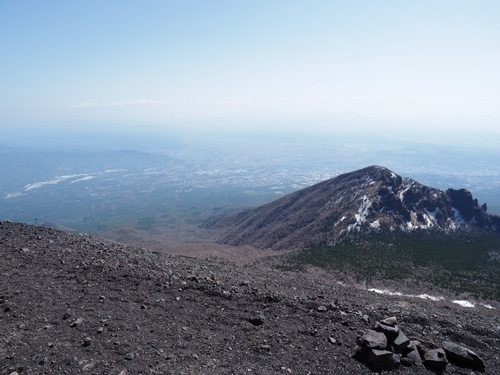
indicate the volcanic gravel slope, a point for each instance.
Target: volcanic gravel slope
{"x":73,"y":304}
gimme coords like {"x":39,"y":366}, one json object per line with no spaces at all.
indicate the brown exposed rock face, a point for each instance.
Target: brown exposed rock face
{"x":370,"y":199}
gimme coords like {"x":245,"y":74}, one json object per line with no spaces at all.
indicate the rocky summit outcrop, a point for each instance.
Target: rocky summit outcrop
{"x":367,"y":200}
{"x":75,"y":304}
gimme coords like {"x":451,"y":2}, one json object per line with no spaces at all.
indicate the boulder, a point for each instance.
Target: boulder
{"x":461,"y":356}
{"x":382,"y":360}
{"x":373,"y":340}
{"x":391,"y":332}
{"x":435,"y":360}
{"x":414,"y":358}
{"x":401,"y":343}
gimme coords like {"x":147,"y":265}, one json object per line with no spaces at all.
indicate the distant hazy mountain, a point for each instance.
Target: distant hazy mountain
{"x":367,"y":200}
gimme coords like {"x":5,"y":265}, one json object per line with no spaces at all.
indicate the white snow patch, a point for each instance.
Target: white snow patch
{"x":385,"y":291}
{"x":410,"y":226}
{"x":458,"y":216}
{"x":402,"y":193}
{"x":363,"y":210}
{"x":422,"y":296}
{"x":339,"y":221}
{"x":83,"y":179}
{"x":487,"y":306}
{"x":13,"y":195}
{"x":375,"y":224}
{"x":432,"y":298}
{"x":54,"y":181}
{"x":464,"y":303}
{"x":393,"y":175}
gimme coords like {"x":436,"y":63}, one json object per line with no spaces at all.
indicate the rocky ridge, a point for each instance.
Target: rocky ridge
{"x":72,"y":304}
{"x":367,"y":200}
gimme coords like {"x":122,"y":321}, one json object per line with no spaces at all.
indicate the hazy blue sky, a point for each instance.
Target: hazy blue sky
{"x":255,"y":62}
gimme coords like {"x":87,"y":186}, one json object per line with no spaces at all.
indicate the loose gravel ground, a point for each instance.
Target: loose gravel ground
{"x":72,"y":304}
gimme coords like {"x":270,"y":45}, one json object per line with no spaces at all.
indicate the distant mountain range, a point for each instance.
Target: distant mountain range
{"x":373,"y":199}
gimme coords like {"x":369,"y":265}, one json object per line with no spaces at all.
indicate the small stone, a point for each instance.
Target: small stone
{"x":265,"y":348}
{"x":322,"y":308}
{"x":100,"y":330}
{"x":77,"y":322}
{"x":392,"y":321}
{"x":177,"y":299}
{"x":257,"y":320}
{"x":44,"y":361}
{"x":129,"y":356}
{"x":366,"y":319}
{"x":331,"y":340}
{"x":25,"y":250}
{"x":87,"y":341}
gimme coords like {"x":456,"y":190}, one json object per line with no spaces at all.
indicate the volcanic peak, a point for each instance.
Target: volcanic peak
{"x":370,"y":199}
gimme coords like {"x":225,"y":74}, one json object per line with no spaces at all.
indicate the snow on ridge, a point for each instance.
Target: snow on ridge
{"x":339,"y":221}
{"x":458,"y":216}
{"x":430,"y":218}
{"x":407,"y":186}
{"x":363,"y":210}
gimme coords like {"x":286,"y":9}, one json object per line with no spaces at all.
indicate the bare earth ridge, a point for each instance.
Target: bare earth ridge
{"x":72,"y":304}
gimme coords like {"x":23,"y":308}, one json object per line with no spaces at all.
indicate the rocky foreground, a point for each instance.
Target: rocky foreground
{"x":73,"y":304}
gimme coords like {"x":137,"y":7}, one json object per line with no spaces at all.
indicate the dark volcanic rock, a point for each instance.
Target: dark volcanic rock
{"x":400,"y":343}
{"x":435,"y":359}
{"x":391,"y":332}
{"x":414,"y":358}
{"x":382,"y":360}
{"x":373,"y":340}
{"x":462,"y":356}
